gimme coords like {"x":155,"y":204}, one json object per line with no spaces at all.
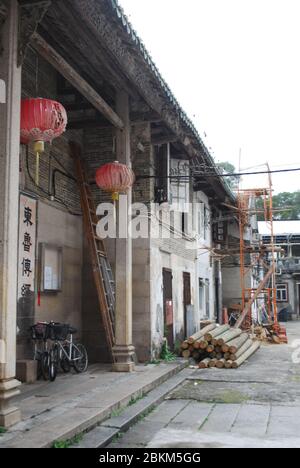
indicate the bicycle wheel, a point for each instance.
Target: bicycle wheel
{"x":45,"y":365}
{"x":39,"y":371}
{"x":79,"y":358}
{"x":65,"y":361}
{"x":53,"y":363}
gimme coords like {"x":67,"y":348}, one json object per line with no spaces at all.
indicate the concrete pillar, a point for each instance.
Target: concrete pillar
{"x":124,"y":350}
{"x":9,"y":196}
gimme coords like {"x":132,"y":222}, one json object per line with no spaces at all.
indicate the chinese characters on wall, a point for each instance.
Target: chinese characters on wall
{"x":27,"y":245}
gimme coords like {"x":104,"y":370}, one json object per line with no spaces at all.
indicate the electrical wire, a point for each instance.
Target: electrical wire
{"x":209,"y":174}
{"x":45,"y":192}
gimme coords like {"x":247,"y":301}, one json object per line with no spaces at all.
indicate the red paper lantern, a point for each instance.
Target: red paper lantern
{"x":42,"y":120}
{"x":115,"y":178}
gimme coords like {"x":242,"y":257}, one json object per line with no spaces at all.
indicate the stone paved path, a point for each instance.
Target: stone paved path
{"x":257,"y":405}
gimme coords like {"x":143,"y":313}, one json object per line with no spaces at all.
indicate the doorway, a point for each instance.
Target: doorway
{"x":187,"y":300}
{"x":168,"y":307}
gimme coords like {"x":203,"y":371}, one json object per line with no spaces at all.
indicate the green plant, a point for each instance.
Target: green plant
{"x":2,"y":430}
{"x":117,"y":437}
{"x":166,"y":354}
{"x":133,"y":400}
{"x":67,"y":443}
{"x":116,"y":412}
{"x":177,"y":347}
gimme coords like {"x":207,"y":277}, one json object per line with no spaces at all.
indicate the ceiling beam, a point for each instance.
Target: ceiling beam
{"x":49,"y":54}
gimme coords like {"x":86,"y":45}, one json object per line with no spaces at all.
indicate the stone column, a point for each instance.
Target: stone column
{"x":9,"y":196}
{"x":123,"y":350}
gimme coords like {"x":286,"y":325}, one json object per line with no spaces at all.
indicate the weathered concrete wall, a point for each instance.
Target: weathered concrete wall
{"x":62,"y":230}
{"x":204,"y":269}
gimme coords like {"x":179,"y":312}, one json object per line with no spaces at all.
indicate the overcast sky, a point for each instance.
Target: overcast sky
{"x":234,"y":66}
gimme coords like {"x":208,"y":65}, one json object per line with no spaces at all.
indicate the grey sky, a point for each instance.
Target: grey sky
{"x":234,"y":67}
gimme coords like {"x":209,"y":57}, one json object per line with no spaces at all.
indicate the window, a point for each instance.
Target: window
{"x":162,"y":163}
{"x":296,"y":251}
{"x":282,"y":292}
{"x":50,"y":268}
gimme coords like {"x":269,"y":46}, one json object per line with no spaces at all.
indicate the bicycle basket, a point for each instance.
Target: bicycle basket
{"x":58,"y":331}
{"x":39,"y":331}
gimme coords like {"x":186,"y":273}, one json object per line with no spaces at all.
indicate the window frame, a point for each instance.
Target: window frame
{"x":280,"y":288}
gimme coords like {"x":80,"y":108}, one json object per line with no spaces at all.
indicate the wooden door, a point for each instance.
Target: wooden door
{"x":168,"y":307}
{"x":186,"y":298}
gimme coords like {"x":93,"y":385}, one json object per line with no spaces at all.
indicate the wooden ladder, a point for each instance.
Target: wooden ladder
{"x":102,"y":272}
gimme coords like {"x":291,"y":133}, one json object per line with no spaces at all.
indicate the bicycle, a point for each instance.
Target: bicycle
{"x":64,"y":351}
{"x":42,"y":354}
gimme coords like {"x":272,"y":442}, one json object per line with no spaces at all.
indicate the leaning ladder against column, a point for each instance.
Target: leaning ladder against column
{"x":102,"y":272}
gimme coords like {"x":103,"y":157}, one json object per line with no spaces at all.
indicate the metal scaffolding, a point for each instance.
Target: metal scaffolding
{"x":263,"y":258}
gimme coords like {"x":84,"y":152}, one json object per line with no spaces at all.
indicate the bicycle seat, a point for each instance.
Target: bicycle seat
{"x":72,"y":330}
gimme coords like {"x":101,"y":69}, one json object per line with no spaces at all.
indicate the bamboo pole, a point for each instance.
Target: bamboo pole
{"x":235,"y":345}
{"x":216,"y":332}
{"x":255,"y":346}
{"x":243,"y":348}
{"x":228,"y":336}
{"x":203,"y":345}
{"x":220,"y":364}
{"x":186,"y":354}
{"x":228,"y":364}
{"x":201,"y":333}
{"x":204,"y":364}
{"x":212,"y":363}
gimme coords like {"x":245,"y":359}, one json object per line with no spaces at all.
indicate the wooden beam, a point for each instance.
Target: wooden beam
{"x":261,"y":286}
{"x":49,"y":54}
{"x":163,"y":139}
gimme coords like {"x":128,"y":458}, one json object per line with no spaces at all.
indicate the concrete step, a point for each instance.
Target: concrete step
{"x":110,"y":429}
{"x":78,"y":413}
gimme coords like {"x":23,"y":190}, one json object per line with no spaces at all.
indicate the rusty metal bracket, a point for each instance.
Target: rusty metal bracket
{"x":31,"y":14}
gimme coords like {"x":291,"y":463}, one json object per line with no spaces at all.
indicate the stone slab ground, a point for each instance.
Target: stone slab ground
{"x":76,"y":403}
{"x":257,"y":405}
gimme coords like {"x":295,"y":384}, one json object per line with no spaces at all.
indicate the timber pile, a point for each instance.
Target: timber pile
{"x":219,"y":346}
{"x":271,"y":333}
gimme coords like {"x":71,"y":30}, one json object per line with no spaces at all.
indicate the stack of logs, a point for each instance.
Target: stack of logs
{"x":219,"y":346}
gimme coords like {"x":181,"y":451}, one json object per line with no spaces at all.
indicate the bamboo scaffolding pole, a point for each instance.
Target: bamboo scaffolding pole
{"x":237,"y":343}
{"x":255,"y":346}
{"x":220,"y":364}
{"x":228,"y":364}
{"x":212,"y":363}
{"x":243,"y":348}
{"x":204,"y":364}
{"x":216,"y":332}
{"x":228,"y":336}
{"x":201,"y":333}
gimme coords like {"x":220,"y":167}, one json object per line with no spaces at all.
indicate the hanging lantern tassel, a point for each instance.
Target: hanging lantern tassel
{"x":39,"y":148}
